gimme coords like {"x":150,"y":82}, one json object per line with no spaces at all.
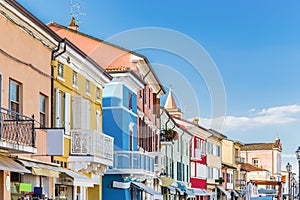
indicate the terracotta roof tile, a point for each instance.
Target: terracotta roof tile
{"x":262,"y":146}
{"x":250,"y":168}
{"x":116,"y":68}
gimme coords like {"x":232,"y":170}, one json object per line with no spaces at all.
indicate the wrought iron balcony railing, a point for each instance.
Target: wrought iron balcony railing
{"x":239,"y":160}
{"x":133,"y":162}
{"x":92,"y":143}
{"x":16,"y":128}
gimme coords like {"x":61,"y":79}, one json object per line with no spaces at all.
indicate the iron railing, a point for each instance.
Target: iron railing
{"x":16,"y":128}
{"x":90,"y":142}
{"x":134,"y":161}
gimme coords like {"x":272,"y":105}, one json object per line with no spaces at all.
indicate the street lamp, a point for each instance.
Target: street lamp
{"x":298,"y":158}
{"x":289,"y":170}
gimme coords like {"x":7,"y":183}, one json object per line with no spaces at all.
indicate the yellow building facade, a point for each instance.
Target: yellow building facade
{"x":77,"y":110}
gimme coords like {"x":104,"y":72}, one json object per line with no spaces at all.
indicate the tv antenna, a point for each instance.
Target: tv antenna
{"x":77,"y":13}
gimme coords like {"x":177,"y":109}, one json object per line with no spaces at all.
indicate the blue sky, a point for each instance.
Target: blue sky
{"x":254,"y":44}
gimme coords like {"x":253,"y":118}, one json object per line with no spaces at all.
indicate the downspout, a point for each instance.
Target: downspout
{"x":53,"y":57}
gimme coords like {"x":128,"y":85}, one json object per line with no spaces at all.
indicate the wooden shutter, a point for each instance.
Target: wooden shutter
{"x":67,"y":112}
{"x":58,"y":108}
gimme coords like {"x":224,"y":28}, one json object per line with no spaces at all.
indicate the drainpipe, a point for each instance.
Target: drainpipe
{"x":54,"y":55}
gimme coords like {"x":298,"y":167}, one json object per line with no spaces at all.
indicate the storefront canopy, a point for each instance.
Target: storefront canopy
{"x":200,"y":192}
{"x":189,"y":193}
{"x":41,"y":169}
{"x":78,"y":178}
{"x":11,"y":165}
{"x":225,"y":192}
{"x":172,"y":189}
{"x":147,"y":189}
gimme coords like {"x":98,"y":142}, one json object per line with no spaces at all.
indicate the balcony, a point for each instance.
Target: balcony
{"x":17,"y":133}
{"x":91,"y":151}
{"x":239,"y":160}
{"x":133,"y":163}
{"x":239,"y":183}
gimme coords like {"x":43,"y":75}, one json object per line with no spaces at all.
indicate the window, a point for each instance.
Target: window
{"x":149,"y":98}
{"x":98,"y":94}
{"x":74,"y":79}
{"x":43,"y":105}
{"x":179,"y":178}
{"x":60,"y":70}
{"x":87,"y":86}
{"x":14,"y":96}
{"x":192,"y":169}
{"x":255,"y":162}
{"x":218,"y":151}
{"x":145,"y":92}
{"x":130,"y":101}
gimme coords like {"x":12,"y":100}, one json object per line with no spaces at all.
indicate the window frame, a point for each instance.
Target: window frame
{"x":87,"y":87}
{"x":60,"y":66}
{"x":18,"y":95}
{"x":44,"y":105}
{"x":75,"y":80}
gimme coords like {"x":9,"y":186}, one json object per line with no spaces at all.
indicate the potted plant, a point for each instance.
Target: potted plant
{"x":169,"y":135}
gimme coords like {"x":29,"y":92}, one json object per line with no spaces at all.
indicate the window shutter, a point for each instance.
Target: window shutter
{"x":98,"y":121}
{"x":58,"y":108}
{"x":85,"y":115}
{"x":67,"y":113}
{"x":76,"y":112}
{"x":81,"y":113}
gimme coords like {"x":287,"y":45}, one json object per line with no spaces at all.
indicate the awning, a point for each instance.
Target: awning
{"x":78,"y":178}
{"x":11,"y":165}
{"x":235,"y":193}
{"x":180,"y":188}
{"x":172,"y":189}
{"x":225,"y":192}
{"x":166,"y":181}
{"x":189,"y":193}
{"x":45,"y":172}
{"x":200,"y":192}
{"x":41,"y":169}
{"x":147,"y":189}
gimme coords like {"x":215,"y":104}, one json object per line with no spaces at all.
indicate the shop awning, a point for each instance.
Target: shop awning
{"x":225,"y":192}
{"x":78,"y":178}
{"x":147,"y":189}
{"x":11,"y":165}
{"x":235,"y":193}
{"x":172,"y":189}
{"x":41,"y":169}
{"x":189,"y":193}
{"x":45,"y":172}
{"x":200,"y":192}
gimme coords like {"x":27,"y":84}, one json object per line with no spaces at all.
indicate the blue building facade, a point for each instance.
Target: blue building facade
{"x":122,"y":180}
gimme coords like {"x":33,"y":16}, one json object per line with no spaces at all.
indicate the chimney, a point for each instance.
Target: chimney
{"x":196,"y":121}
{"x":73,"y":25}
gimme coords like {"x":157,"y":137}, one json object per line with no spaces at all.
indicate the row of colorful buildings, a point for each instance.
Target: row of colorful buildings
{"x":82,"y":119}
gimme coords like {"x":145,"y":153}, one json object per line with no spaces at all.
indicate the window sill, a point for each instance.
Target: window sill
{"x":60,"y":78}
{"x":75,"y":86}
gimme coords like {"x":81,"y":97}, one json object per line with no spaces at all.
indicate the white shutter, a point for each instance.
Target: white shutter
{"x":58,"y":108}
{"x":76,"y":112}
{"x":98,"y":121}
{"x":85,"y":115}
{"x":67,"y":113}
{"x":81,"y":113}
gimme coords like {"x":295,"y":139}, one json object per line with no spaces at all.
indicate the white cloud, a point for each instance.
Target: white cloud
{"x":267,"y":116}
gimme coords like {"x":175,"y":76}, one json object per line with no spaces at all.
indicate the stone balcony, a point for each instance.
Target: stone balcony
{"x":133,"y":163}
{"x":91,"y":151}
